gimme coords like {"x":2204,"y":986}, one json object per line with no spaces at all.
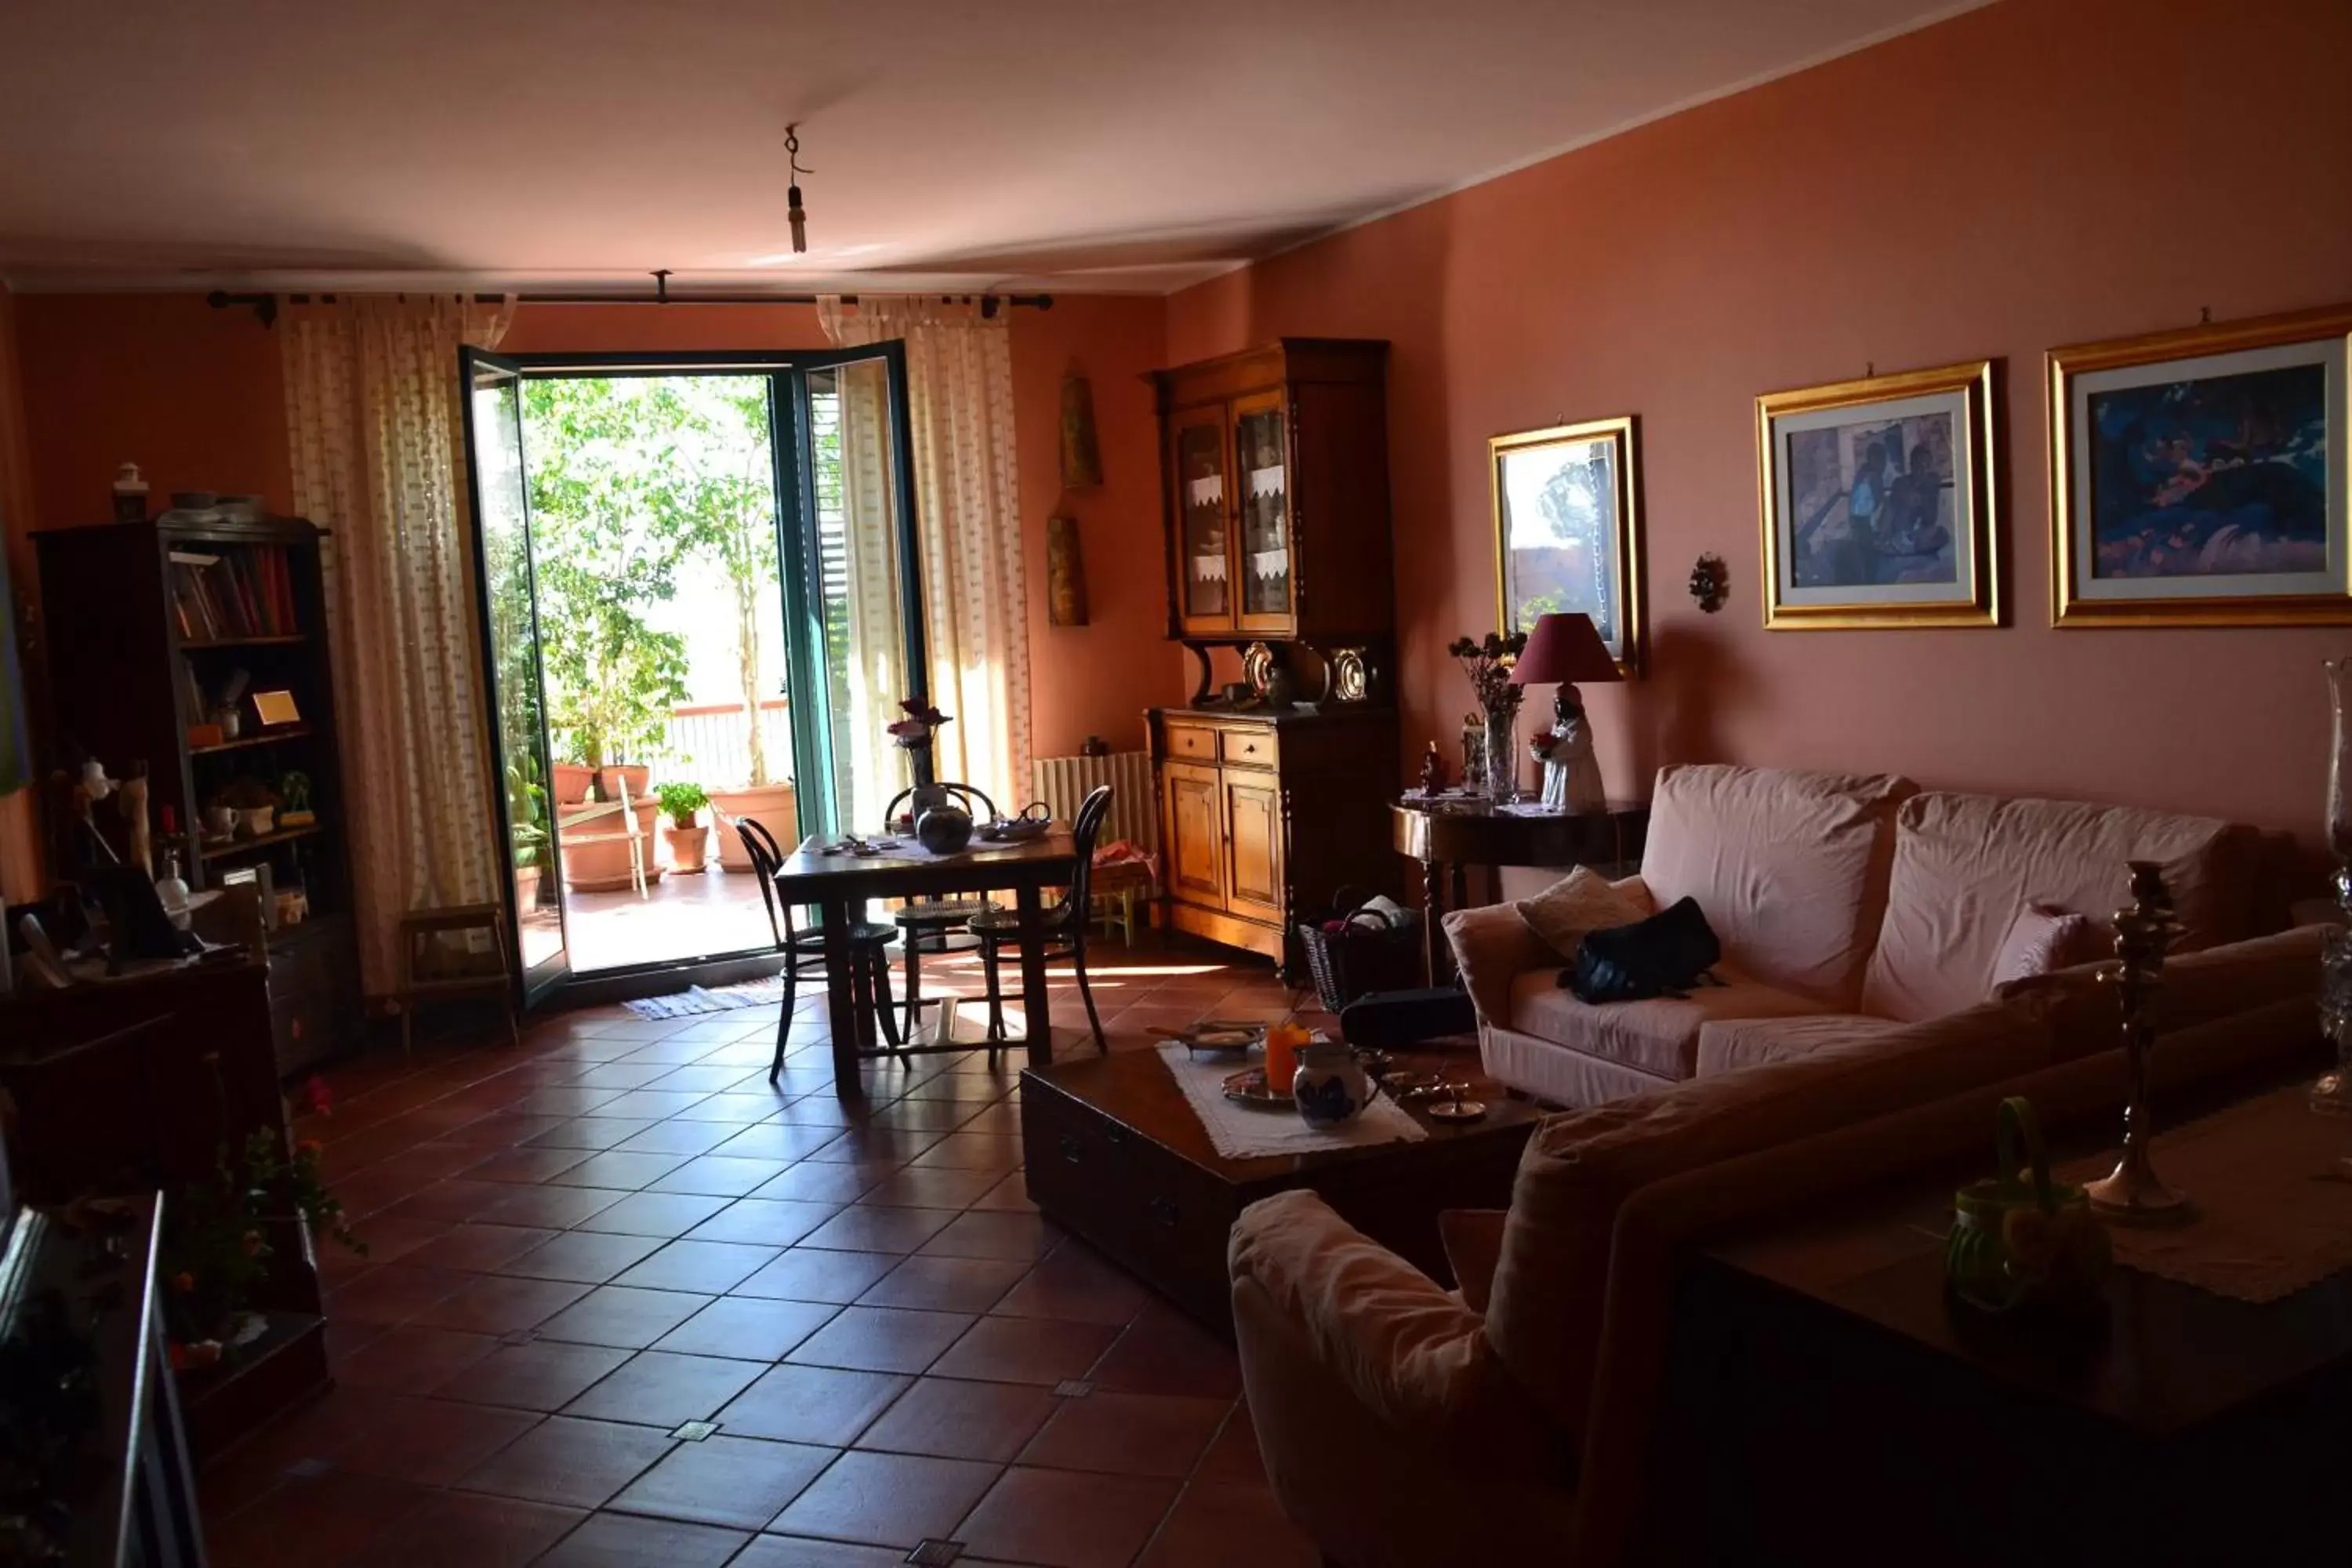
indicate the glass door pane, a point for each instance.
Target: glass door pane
{"x":1263,"y":503}
{"x":857,"y":586}
{"x":501,"y":502}
{"x":1203,"y":567}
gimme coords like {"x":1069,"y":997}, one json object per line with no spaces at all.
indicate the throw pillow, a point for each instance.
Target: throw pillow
{"x":2041,"y":940}
{"x":1583,"y":900}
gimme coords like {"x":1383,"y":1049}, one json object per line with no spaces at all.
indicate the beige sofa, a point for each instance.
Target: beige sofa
{"x":1848,"y":906}
{"x":1510,"y":1420}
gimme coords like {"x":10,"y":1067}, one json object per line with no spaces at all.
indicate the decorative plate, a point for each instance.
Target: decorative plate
{"x":1349,"y":682}
{"x":1257,"y":668}
{"x":1248,"y":1086}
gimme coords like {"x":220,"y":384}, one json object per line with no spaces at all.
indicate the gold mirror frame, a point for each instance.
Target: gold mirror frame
{"x":2067,"y":606}
{"x":1974,"y":381}
{"x":1623,"y":432}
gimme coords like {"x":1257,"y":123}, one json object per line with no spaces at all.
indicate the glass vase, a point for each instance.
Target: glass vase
{"x":2333,"y":1093}
{"x":1503,"y":753}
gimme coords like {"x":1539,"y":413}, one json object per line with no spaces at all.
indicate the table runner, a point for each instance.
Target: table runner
{"x":2273,"y":1199}
{"x":1245,"y":1133}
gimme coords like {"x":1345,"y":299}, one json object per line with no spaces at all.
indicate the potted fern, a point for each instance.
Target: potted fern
{"x":690,"y":840}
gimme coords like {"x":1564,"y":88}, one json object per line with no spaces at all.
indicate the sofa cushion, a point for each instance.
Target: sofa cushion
{"x":1544,"y":1313}
{"x":1725,"y":1045}
{"x":2042,"y":939}
{"x":1965,"y":864}
{"x":1789,"y":868}
{"x":1659,"y":1035}
{"x":1583,"y":900}
{"x":1554,"y":1075}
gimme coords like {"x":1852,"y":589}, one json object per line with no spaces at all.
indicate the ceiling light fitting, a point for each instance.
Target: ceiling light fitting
{"x":793,"y":212}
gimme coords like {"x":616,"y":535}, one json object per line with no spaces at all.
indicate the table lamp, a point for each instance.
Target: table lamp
{"x":1567,"y":648}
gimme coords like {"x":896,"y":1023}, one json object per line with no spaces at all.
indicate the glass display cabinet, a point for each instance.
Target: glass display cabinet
{"x":1277,"y":504}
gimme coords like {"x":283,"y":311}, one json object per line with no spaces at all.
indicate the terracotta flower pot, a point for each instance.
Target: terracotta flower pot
{"x":687,"y":847}
{"x":572,"y":782}
{"x":772,"y":804}
{"x":639,"y":777}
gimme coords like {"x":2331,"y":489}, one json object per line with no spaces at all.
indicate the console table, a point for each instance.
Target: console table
{"x":1462,"y":831}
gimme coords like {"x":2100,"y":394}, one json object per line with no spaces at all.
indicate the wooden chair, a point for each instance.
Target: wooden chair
{"x":1065,"y":924}
{"x":869,"y":946}
{"x":930,"y":925}
{"x":596,"y":812}
{"x":431,"y":968}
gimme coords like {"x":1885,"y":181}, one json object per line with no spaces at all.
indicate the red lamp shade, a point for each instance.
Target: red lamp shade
{"x":1565,"y":648}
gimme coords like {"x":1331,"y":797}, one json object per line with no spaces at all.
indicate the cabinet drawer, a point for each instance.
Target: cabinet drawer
{"x":1197,"y":741}
{"x":1251,"y":748}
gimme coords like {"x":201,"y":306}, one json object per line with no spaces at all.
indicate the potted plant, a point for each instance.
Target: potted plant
{"x":217,"y":1243}
{"x":689,"y":839}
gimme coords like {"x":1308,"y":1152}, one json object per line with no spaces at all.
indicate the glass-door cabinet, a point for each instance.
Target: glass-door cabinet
{"x":1202,"y":506}
{"x":1273,"y":455}
{"x":1262,"y":498}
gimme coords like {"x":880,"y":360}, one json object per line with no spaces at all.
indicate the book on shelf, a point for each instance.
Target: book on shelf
{"x":238,"y":592}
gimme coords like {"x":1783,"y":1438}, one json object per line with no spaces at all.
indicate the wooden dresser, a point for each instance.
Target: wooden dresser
{"x":1275,"y":494}
{"x":1265,"y":816}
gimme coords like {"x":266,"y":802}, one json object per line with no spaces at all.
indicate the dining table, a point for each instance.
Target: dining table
{"x":840,"y":875}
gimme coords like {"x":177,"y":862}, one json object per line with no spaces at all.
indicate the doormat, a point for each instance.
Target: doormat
{"x":722,"y":999}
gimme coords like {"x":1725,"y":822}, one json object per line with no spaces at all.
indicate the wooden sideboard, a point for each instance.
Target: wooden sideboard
{"x":1264,"y":815}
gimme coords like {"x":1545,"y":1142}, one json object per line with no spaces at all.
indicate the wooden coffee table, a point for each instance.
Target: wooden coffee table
{"x":1115,"y":1154}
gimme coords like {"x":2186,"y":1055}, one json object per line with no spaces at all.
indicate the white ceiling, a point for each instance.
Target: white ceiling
{"x":1076,"y":144}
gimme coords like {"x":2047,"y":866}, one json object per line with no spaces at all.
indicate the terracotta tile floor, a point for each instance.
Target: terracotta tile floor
{"x":582,"y":1244}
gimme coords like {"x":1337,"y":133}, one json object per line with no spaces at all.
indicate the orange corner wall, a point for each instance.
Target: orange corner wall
{"x":2034,"y":173}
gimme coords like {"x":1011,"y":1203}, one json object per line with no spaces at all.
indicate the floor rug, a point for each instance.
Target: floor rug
{"x":719,"y":999}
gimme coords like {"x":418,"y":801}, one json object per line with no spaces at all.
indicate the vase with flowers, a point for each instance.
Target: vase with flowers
{"x":1487,"y":662}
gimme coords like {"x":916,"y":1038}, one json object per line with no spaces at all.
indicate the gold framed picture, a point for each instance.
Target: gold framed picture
{"x":1568,"y":529}
{"x":1877,"y":503}
{"x":2199,"y":477}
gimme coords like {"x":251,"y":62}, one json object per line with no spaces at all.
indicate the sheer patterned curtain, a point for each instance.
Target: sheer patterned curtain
{"x":371,"y":404}
{"x":967,"y":527}
{"x":876,"y":676}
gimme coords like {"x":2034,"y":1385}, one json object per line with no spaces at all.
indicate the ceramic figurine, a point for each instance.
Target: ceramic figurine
{"x":130,"y":802}
{"x":1571,"y":774}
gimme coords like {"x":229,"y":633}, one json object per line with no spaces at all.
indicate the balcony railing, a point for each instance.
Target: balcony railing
{"x":712,"y":742}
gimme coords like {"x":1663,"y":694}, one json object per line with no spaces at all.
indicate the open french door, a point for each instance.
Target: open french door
{"x":500,"y":491}
{"x":852,"y":576}
{"x":847,"y":568}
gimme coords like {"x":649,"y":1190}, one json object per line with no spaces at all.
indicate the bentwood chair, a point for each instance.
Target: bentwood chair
{"x":869,"y":946}
{"x":933,"y":925}
{"x":1065,"y":923}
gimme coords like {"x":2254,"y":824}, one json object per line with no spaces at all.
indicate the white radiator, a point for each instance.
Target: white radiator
{"x":1063,"y":783}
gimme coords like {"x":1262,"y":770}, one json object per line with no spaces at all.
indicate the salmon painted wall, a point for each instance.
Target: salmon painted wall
{"x":197,"y":397}
{"x":1095,"y":679}
{"x":2038,"y":173}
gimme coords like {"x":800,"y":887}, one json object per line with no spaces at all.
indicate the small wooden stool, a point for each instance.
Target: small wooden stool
{"x":431,"y":967}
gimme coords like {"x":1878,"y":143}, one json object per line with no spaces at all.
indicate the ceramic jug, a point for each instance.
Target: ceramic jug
{"x":943,"y":829}
{"x":1331,"y":1087}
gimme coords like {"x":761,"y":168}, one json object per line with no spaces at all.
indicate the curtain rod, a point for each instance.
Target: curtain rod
{"x":265,"y":306}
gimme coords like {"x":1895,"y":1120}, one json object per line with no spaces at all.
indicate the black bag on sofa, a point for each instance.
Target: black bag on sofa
{"x":1664,"y":955}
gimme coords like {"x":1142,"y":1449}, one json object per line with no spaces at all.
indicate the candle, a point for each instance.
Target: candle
{"x":1282,"y":1043}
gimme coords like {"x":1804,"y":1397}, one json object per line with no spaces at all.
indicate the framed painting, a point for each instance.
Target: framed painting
{"x":1568,"y":529}
{"x":1877,"y":503}
{"x":2198,"y":478}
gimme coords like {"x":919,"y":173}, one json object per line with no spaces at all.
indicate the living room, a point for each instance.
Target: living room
{"x":1658,"y":239}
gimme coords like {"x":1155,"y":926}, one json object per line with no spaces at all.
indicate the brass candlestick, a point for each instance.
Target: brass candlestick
{"x":2133,"y":1191}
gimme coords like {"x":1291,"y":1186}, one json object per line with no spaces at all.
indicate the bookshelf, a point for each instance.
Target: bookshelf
{"x":150,"y":628}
